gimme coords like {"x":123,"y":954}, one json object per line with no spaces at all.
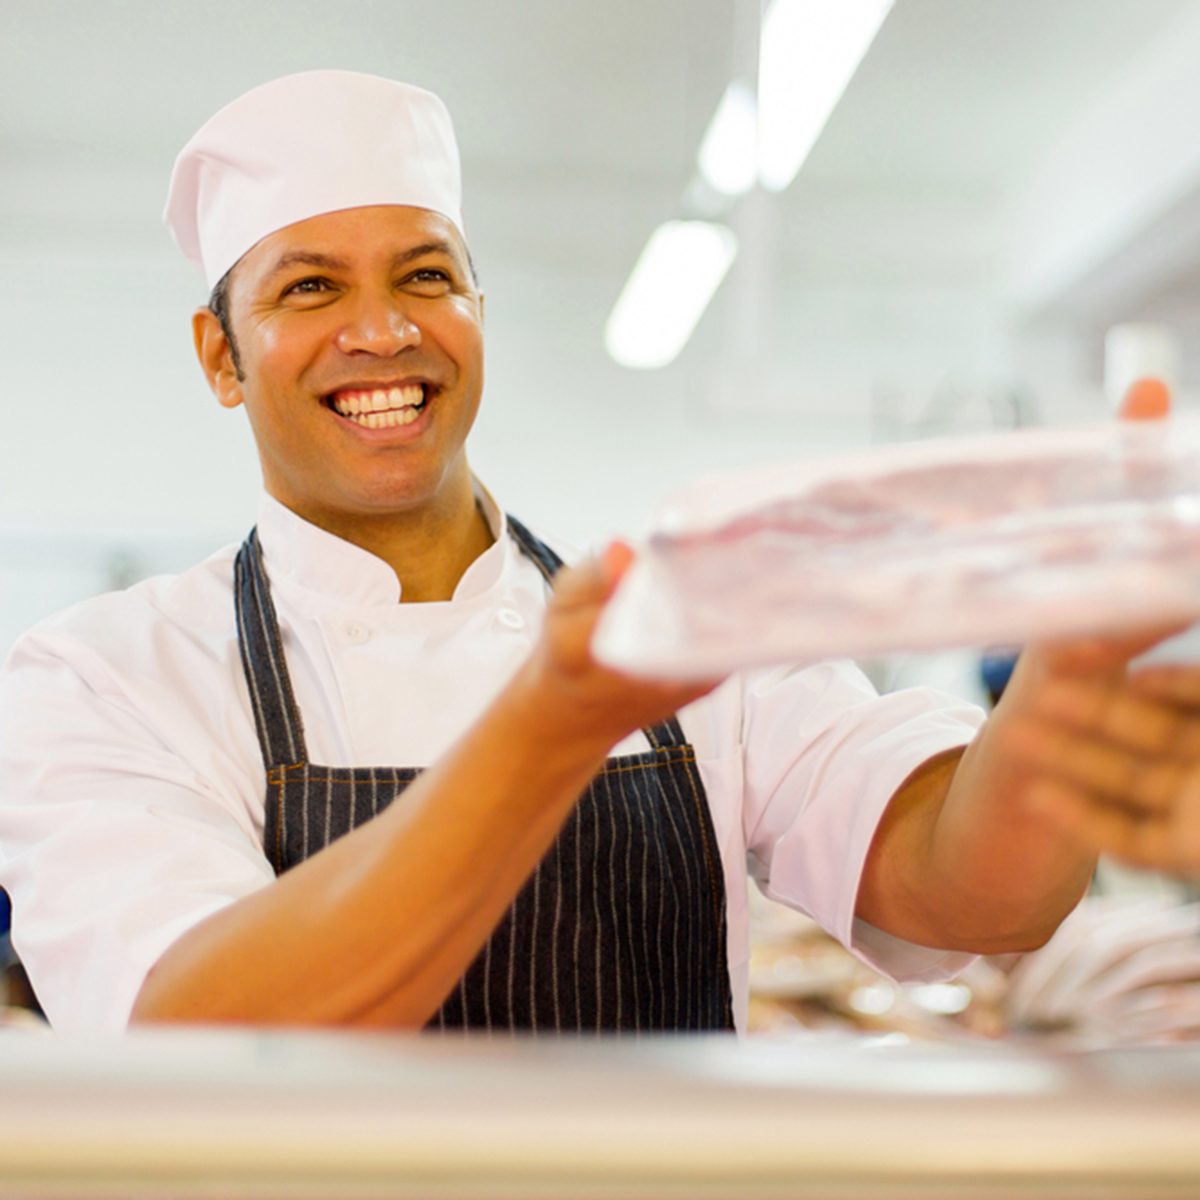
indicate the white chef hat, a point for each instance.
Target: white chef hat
{"x":303,"y":145}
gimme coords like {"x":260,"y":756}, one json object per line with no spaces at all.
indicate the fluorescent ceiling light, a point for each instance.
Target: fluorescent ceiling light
{"x":728,"y":157}
{"x":670,"y":287}
{"x":810,"y":51}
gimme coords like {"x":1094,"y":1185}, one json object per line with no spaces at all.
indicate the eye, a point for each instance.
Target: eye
{"x":311,"y":285}
{"x":429,"y":278}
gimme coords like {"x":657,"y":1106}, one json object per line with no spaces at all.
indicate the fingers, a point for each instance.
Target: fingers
{"x":1147,"y":399}
{"x":594,"y":579}
{"x":1103,"y":654}
{"x":580,"y":593}
{"x":1081,"y":761}
{"x":1177,"y":683}
{"x":617,"y":558}
{"x":587,"y":585}
{"x":1114,"y":762}
{"x":1133,"y":719}
{"x":1143,"y":842}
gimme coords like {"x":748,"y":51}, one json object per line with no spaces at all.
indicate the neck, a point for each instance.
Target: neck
{"x":430,"y":549}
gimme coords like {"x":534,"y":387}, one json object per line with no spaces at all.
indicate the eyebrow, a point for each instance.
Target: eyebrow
{"x":439,"y":247}
{"x":306,"y":258}
{"x":313,"y":258}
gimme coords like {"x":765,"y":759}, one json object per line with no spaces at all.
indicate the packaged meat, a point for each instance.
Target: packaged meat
{"x":994,"y":540}
{"x":1120,"y":970}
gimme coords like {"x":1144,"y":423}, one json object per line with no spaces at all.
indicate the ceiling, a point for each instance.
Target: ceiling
{"x":578,"y":121}
{"x":995,"y":165}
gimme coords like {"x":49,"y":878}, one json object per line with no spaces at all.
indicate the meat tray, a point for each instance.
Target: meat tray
{"x":983,"y":541}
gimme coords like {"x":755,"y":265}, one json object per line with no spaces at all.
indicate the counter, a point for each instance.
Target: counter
{"x":186,"y":1114}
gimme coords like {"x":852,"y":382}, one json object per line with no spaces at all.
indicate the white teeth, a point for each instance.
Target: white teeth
{"x":384,"y":420}
{"x":406,"y":397}
{"x":391,"y":402}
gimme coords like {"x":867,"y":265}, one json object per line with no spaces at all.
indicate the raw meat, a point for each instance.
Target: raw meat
{"x":993,"y":541}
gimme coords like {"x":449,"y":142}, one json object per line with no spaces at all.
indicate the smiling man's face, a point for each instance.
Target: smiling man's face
{"x":360,"y":340}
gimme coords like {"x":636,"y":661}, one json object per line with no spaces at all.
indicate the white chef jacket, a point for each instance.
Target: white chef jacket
{"x":132,"y":786}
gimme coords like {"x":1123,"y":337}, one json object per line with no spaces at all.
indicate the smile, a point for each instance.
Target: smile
{"x":380,"y":408}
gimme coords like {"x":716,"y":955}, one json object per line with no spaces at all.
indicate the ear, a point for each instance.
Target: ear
{"x":216,"y":357}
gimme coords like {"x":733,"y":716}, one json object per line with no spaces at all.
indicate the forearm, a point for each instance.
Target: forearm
{"x":377,"y":928}
{"x":959,"y":862}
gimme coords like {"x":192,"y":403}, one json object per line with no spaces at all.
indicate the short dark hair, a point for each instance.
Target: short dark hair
{"x":218,"y":305}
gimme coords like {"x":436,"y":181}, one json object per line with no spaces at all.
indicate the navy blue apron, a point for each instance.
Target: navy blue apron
{"x":622,"y":925}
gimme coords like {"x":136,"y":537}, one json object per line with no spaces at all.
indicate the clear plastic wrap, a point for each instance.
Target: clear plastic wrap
{"x":993,"y":540}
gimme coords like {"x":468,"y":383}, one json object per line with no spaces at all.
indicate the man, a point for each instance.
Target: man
{"x":192,"y":824}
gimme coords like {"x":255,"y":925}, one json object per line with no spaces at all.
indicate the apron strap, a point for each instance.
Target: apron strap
{"x":276,"y":714}
{"x":543,"y":557}
{"x":664,"y":736}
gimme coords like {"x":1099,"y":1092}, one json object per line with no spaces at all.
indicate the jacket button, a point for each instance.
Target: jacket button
{"x":510,"y":618}
{"x":356,"y":633}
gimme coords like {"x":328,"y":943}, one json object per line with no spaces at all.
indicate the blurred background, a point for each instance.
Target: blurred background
{"x":1002,"y":188}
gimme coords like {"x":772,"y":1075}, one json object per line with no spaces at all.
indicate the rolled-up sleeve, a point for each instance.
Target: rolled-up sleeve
{"x":111,"y":844}
{"x":824,"y":754}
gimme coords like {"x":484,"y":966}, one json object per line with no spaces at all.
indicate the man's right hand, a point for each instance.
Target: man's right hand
{"x":575,"y":695}
{"x":376,"y":929}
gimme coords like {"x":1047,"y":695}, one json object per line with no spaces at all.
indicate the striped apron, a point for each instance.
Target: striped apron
{"x":622,"y":925}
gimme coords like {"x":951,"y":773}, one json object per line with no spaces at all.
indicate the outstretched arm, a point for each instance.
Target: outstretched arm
{"x":970,"y":854}
{"x":377,"y":928}
{"x":990,"y":851}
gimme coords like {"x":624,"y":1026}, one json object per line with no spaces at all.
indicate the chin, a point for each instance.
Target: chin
{"x":393,"y":498}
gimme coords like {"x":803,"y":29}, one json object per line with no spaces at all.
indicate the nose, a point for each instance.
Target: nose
{"x":378,"y":324}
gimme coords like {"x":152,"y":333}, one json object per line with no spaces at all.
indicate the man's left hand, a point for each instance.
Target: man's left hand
{"x":1112,"y":755}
